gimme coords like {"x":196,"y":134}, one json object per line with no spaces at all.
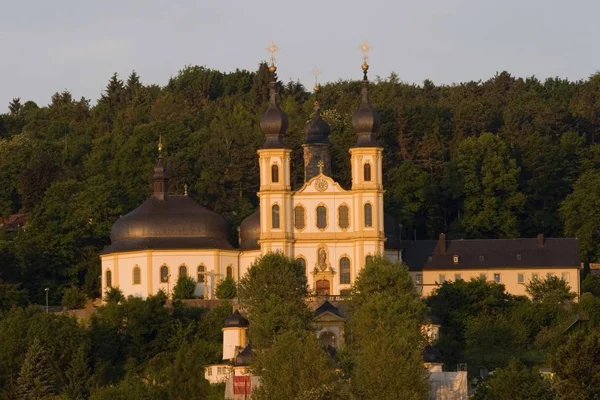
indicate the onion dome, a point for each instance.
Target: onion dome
{"x":168,"y":222}
{"x":250,"y":232}
{"x":236,"y":320}
{"x":317,"y":130}
{"x":244,"y":357}
{"x":365,"y":120}
{"x":274,"y":121}
{"x":392,"y":232}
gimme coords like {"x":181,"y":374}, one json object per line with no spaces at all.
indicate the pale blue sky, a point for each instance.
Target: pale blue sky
{"x":51,"y":45}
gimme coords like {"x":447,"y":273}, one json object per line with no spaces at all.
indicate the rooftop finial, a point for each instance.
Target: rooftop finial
{"x":160,"y":145}
{"x":316,"y":73}
{"x":185,"y":187}
{"x":365,"y":48}
{"x":272,"y":49}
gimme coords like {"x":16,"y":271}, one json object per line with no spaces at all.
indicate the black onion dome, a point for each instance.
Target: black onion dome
{"x":177,"y":222}
{"x":250,"y":232}
{"x":392,"y":232}
{"x":236,"y":320}
{"x":317,"y":130}
{"x":365,"y":120}
{"x":244,"y":357}
{"x":273,"y":122}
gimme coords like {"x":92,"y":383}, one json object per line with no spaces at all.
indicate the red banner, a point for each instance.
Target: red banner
{"x":242,"y":385}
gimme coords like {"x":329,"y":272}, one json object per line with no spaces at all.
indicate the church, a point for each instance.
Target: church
{"x":330,"y":230}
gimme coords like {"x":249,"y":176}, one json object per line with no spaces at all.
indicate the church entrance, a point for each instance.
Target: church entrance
{"x":323,"y":287}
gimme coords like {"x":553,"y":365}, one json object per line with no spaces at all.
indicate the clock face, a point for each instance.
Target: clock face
{"x":321,"y":185}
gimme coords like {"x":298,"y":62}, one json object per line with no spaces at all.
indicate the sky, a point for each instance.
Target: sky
{"x":50,"y":46}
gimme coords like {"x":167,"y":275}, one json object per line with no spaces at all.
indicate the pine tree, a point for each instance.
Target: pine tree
{"x":78,"y":377}
{"x":36,"y":380}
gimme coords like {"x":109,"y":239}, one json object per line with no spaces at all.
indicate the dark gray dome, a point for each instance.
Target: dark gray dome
{"x":392,"y":232}
{"x":432,"y":355}
{"x":244,"y":357}
{"x":317,"y":130}
{"x":177,"y":222}
{"x":273,"y":122}
{"x":365,"y":120}
{"x":250,"y":232}
{"x":236,"y":320}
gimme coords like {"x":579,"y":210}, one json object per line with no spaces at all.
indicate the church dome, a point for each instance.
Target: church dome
{"x":317,"y":130}
{"x":250,"y":232}
{"x":175,"y":222}
{"x":365,"y":120}
{"x":273,"y":122}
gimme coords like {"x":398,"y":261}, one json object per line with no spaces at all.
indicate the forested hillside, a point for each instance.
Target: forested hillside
{"x":507,"y":157}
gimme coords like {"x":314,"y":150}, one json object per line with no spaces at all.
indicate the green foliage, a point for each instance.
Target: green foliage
{"x":516,"y":382}
{"x":184,"y":288}
{"x":273,"y":290}
{"x":551,"y":289}
{"x":577,"y":366}
{"x":226,"y":289}
{"x":78,"y":376}
{"x":73,"y":298}
{"x":386,"y":306}
{"x":591,"y":284}
{"x":113,"y":295}
{"x":36,"y":379}
{"x":296,"y":367}
{"x":11,"y":295}
{"x":186,"y":376}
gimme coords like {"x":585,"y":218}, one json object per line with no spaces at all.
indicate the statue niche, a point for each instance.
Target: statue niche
{"x":322,"y":264}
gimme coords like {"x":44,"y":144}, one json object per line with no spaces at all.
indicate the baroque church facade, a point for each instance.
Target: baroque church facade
{"x":331,"y":231}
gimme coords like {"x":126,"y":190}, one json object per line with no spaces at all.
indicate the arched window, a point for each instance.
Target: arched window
{"x":164,"y":274}
{"x":109,"y":278}
{"x":200,"y":274}
{"x":343,"y":217}
{"x":367,"y":172}
{"x":274,"y":173}
{"x":229,"y":271}
{"x":302,"y":262}
{"x":321,"y":217}
{"x":327,"y":339}
{"x":182,"y":271}
{"x":368,"y":215}
{"x":368,"y":260}
{"x":344,"y":270}
{"x":299,"y":220}
{"x":275,"y":216}
{"x":137,"y":275}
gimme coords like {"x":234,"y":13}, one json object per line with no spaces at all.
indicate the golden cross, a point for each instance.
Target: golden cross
{"x":320,"y":165}
{"x":365,"y":48}
{"x":160,"y":146}
{"x":316,"y":73}
{"x":272,"y":49}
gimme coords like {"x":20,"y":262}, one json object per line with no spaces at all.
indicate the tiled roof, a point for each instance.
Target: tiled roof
{"x":491,"y":253}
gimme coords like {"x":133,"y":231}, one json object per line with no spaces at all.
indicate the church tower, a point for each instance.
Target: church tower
{"x":317,"y":148}
{"x":366,"y":164}
{"x":274,"y":162}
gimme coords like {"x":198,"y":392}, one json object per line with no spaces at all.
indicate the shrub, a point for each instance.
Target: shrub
{"x":226,"y":289}
{"x":113,"y":295}
{"x":184,"y":289}
{"x":73,"y":298}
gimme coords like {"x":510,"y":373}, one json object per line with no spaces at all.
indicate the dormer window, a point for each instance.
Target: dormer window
{"x":455,"y":259}
{"x":481,"y":258}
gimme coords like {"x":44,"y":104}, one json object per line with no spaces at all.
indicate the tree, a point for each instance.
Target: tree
{"x":578,"y":211}
{"x":273,"y":291}
{"x":490,"y":179}
{"x":226,"y":289}
{"x":296,"y":367}
{"x":36,"y":379}
{"x":386,"y":306}
{"x":73,"y":298}
{"x":591,"y":284}
{"x":15,"y":106}
{"x":186,"y":376}
{"x":516,"y":382}
{"x":577,"y":366}
{"x":113,"y":295}
{"x":184,"y":288}
{"x":78,"y":377}
{"x":11,"y":295}
{"x":551,"y":289}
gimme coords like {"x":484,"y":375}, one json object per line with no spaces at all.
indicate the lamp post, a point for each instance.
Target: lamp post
{"x":47,"y":290}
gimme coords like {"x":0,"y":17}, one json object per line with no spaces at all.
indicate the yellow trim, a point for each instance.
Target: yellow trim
{"x":326,"y":216}
{"x":115,"y":277}
{"x":300,"y":205}
{"x":133,"y":275}
{"x":310,"y":182}
{"x":348,"y":214}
